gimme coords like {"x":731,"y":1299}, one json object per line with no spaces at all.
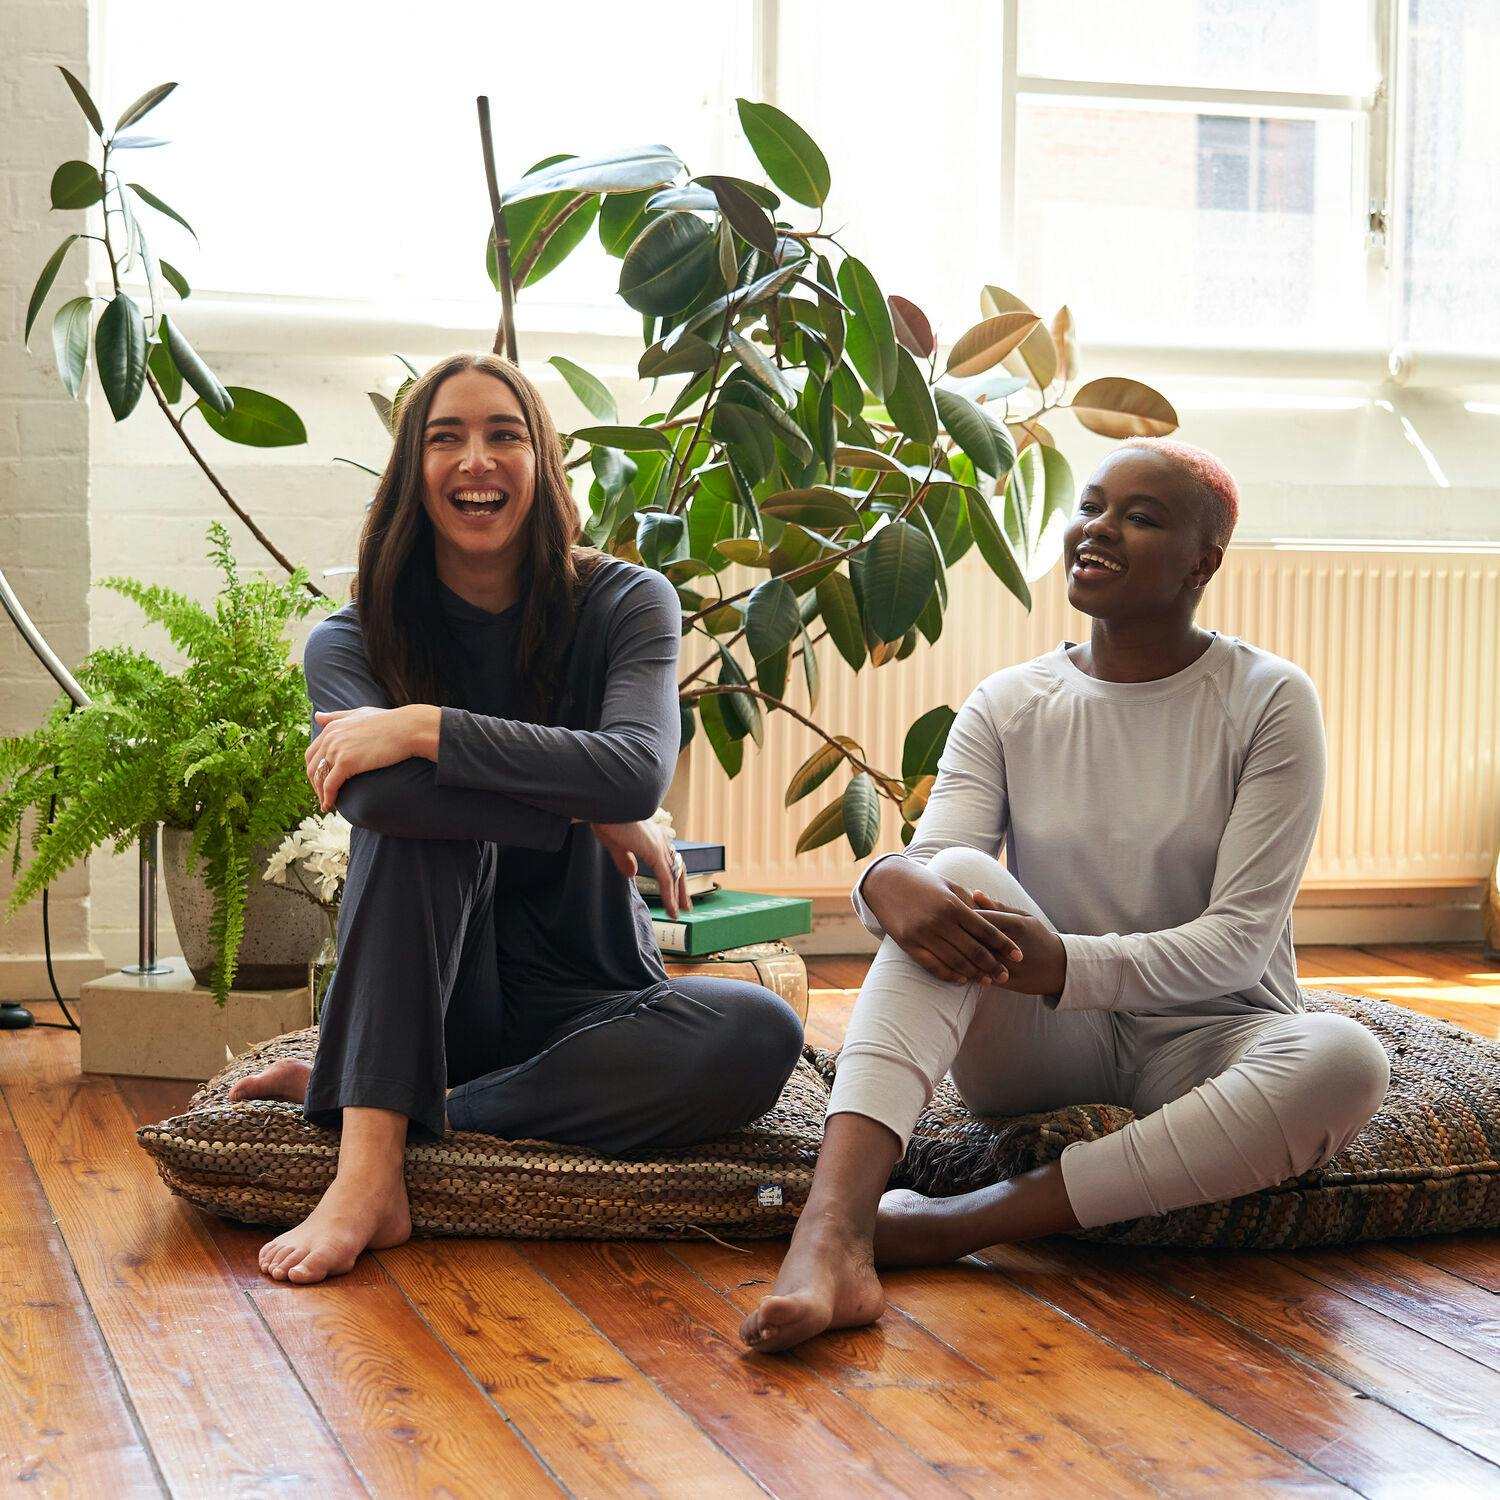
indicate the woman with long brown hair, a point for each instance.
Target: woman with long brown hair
{"x":496,"y":715}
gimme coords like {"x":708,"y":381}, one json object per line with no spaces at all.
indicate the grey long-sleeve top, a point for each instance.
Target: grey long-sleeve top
{"x":567,"y":924}
{"x":1162,"y":826}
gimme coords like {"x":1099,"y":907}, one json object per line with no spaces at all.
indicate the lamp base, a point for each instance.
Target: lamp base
{"x":15,"y":1017}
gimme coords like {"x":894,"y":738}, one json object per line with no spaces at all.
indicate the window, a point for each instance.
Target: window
{"x":1313,"y":173}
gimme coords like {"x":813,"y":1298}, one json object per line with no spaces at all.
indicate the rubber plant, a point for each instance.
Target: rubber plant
{"x":814,"y":463}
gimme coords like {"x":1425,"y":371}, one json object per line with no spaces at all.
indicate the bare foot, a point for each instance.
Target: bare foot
{"x":358,"y":1212}
{"x":826,"y":1281}
{"x":286,"y":1078}
{"x":911,"y":1230}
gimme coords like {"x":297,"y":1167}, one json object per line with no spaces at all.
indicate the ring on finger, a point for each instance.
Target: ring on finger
{"x":322,"y":767}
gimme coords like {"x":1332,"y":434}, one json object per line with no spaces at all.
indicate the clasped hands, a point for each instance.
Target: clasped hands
{"x":354,"y":740}
{"x":966,"y":937}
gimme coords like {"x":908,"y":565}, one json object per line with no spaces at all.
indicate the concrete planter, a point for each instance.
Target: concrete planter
{"x":165,"y":1026}
{"x":283,"y":931}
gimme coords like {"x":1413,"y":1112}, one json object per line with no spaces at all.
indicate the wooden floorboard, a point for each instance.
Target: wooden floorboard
{"x":143,"y":1353}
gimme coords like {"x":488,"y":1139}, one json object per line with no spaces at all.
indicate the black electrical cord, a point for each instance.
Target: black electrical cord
{"x":71,"y":1024}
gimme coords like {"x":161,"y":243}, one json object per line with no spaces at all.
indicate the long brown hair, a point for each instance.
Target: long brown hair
{"x":408,"y":641}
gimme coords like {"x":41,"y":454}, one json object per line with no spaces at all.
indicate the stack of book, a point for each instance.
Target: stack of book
{"x":731,"y":934}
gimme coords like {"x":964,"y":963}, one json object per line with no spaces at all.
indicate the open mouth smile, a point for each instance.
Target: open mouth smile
{"x":478,"y":502}
{"x":1090,"y":563}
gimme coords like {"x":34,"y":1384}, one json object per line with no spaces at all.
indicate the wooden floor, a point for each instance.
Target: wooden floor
{"x":141,"y":1353}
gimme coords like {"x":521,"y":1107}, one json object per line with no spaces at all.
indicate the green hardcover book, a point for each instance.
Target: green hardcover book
{"x":730,"y":919}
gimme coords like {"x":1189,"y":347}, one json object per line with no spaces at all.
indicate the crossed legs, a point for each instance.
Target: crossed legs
{"x":1226,"y":1104}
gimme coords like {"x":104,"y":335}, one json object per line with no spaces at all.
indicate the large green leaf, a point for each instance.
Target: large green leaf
{"x":75,"y":184}
{"x":70,"y":341}
{"x":143,"y":106}
{"x":861,"y":814}
{"x":741,"y":299}
{"x":744,"y":392}
{"x":943,"y":504}
{"x":995,"y":548}
{"x":909,"y":401}
{"x":543,"y":243}
{"x":44,"y":284}
{"x":744,"y":213}
{"x":120,"y":352}
{"x":661,"y":538}
{"x":840,"y":612}
{"x":176,"y":280}
{"x":810,"y":670}
{"x":757,"y":364}
{"x":817,"y":768}
{"x":194,"y":371}
{"x":823,"y":829}
{"x":689,"y":355}
{"x":772,"y":619}
{"x":620,"y":172}
{"x":729,"y":748}
{"x":711,"y":519}
{"x":668,"y":265}
{"x":871,"y":335}
{"x":979,"y":434}
{"x":629,"y":439}
{"x":85,"y":103}
{"x":164,"y":368}
{"x":925,"y":741}
{"x":589,"y":389}
{"x":752,"y":449}
{"x":820,"y":508}
{"x":771,"y":671}
{"x":146,"y":196}
{"x":256,"y":420}
{"x":790,"y":156}
{"x":1039,"y":500}
{"x":621,"y":218}
{"x":741,"y":712}
{"x":898,"y":575}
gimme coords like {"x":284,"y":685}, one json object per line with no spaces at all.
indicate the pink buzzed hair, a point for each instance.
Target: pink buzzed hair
{"x":1216,"y":488}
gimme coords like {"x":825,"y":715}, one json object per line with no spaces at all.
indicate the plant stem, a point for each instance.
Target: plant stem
{"x":229,"y":500}
{"x":534,"y":253}
{"x":708,"y":399}
{"x":505,"y":334}
{"x":720,"y":689}
{"x":187,"y":442}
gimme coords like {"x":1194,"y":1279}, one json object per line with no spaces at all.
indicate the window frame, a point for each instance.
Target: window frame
{"x":1377,"y":151}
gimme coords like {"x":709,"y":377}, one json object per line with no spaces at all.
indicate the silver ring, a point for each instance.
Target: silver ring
{"x":323,"y":766}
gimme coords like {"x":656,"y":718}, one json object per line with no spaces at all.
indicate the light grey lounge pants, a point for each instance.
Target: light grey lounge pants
{"x":1225,"y":1103}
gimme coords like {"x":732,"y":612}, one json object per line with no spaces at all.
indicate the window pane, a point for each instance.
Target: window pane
{"x":907,"y":115}
{"x":332,"y":152}
{"x":1452,"y":119}
{"x":1174,"y":226}
{"x":1307,"y":46}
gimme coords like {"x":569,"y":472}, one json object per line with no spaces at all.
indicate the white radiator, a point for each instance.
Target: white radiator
{"x":1402,"y":646}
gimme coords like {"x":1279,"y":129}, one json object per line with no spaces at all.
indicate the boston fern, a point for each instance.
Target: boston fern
{"x":215,"y":748}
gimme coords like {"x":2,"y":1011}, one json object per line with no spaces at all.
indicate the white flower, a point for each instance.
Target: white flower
{"x":317,"y":854}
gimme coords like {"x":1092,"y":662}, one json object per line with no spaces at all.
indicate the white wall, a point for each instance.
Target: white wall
{"x":44,"y":437}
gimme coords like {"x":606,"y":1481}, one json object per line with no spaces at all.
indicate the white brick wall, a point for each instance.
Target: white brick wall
{"x":44,"y":437}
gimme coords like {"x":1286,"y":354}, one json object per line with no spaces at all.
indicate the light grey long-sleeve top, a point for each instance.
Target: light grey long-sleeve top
{"x":568,"y":924}
{"x":1162,"y":826}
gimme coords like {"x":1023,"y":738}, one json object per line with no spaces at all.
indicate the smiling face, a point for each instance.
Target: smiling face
{"x":1137,"y":544}
{"x":478,"y":471}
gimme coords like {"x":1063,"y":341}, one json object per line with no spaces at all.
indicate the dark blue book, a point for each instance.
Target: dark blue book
{"x":700,"y":859}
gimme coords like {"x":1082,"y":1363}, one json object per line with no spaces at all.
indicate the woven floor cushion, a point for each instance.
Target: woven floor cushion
{"x":1426,"y":1164}
{"x":263,"y":1163}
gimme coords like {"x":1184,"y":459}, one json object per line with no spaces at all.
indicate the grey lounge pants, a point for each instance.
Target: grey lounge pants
{"x":1225,"y":1104}
{"x":418,"y":1005}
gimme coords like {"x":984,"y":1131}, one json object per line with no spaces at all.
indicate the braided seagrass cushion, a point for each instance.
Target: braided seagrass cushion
{"x":263,"y":1163}
{"x":1428,"y":1163}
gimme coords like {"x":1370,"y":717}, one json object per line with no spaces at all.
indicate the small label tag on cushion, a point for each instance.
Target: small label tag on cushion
{"x":768,"y":1195}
